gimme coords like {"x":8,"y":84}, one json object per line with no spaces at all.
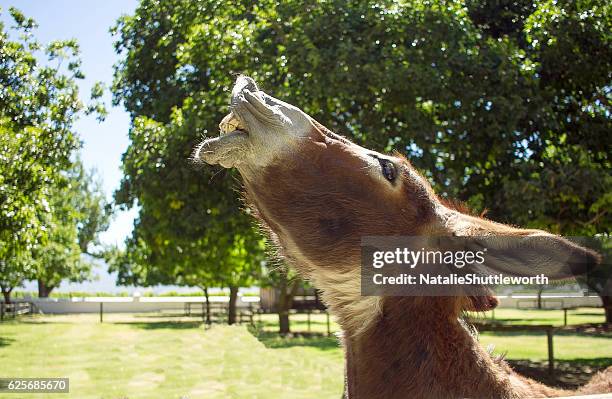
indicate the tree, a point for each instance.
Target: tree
{"x":185,"y":223}
{"x":287,"y":292}
{"x":186,"y":233}
{"x":489,"y":99}
{"x":39,"y":103}
{"x":79,"y":212}
{"x":13,"y":271}
{"x":286,"y":283}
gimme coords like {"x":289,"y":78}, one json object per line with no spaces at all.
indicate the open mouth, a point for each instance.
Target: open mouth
{"x":230,"y":124}
{"x":240,"y":132}
{"x":228,"y":148}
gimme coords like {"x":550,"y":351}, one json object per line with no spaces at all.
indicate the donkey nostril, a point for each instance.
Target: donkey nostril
{"x":246,"y":83}
{"x":251,"y":85}
{"x":268,"y":100}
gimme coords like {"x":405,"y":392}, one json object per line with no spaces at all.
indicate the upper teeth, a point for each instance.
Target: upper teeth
{"x":229,"y":124}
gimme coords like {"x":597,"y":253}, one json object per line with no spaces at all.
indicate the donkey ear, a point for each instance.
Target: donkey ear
{"x":524,"y":252}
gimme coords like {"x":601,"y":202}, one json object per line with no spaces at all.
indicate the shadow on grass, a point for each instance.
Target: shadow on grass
{"x":535,"y":320}
{"x":158,"y":325}
{"x":6,"y":341}
{"x":569,"y":374}
{"x":593,"y":314}
{"x":518,"y":321}
{"x":314,"y":340}
{"x":167,"y":315}
{"x":35,"y":319}
{"x":514,"y":333}
{"x":598,"y":331}
{"x":270,"y":323}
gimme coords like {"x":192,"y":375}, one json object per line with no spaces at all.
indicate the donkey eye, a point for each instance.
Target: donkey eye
{"x":388,"y":169}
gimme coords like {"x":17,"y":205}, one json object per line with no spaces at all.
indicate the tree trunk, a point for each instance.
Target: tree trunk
{"x":7,"y":294}
{"x":284,"y":327}
{"x":540,"y":291}
{"x":607,"y":304}
{"x":285,"y":302}
{"x":207,"y":305}
{"x":283,"y":310}
{"x":231,"y":313}
{"x":44,"y":290}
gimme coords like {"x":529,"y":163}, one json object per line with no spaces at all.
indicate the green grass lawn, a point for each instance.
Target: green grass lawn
{"x":161,"y":359}
{"x":535,"y":316}
{"x":143,"y":356}
{"x":590,"y":349}
{"x":596,"y":350}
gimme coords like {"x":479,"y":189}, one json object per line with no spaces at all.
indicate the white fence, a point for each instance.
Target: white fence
{"x":549,"y":301}
{"x":129,"y":304}
{"x":138,"y":304}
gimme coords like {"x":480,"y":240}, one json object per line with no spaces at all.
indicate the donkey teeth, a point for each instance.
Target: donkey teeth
{"x":229,"y":124}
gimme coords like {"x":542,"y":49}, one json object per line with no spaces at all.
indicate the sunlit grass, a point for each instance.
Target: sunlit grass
{"x":156,"y":359}
{"x":543,"y":316}
{"x":533,"y":345}
{"x":158,"y":356}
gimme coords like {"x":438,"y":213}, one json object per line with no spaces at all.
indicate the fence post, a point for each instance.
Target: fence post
{"x":565,"y":316}
{"x":328,"y":329}
{"x":101,"y":311}
{"x":1,"y":311}
{"x":308,"y":319}
{"x":551,"y":359}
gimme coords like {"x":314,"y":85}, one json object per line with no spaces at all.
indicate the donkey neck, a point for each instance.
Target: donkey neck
{"x":413,"y":353}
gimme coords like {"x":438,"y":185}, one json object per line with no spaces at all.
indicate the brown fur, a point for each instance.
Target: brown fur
{"x":317,"y":204}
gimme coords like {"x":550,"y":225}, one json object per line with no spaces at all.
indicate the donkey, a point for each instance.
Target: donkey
{"x":317,"y":194}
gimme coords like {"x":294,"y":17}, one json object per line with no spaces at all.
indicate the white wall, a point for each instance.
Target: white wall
{"x":130,"y":304}
{"x":548,"y":301}
{"x":157,"y":304}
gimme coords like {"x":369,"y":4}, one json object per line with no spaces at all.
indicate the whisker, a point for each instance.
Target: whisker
{"x":215,"y":175}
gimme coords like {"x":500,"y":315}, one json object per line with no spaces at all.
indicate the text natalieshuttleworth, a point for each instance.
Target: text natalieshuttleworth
{"x":455,"y":279}
{"x":450,"y":266}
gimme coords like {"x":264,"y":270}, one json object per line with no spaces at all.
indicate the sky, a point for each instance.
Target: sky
{"x":103,"y":143}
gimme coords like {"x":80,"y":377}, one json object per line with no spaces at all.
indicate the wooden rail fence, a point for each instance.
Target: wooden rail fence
{"x":15,"y":309}
{"x":546,"y":328}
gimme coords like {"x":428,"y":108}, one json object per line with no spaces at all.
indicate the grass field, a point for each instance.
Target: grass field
{"x":143,"y":356}
{"x":535,"y":316}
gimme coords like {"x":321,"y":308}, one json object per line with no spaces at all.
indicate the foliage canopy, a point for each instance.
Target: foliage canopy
{"x":39,"y":103}
{"x":505,"y":105}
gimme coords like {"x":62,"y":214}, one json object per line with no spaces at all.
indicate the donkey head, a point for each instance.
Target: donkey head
{"x":319,"y":194}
